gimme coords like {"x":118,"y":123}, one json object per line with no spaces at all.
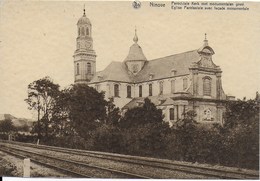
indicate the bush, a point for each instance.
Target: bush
{"x":108,"y":138}
{"x":26,"y":138}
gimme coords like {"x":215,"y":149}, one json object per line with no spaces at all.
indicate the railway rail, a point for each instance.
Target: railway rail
{"x":73,"y":168}
{"x":135,"y":160}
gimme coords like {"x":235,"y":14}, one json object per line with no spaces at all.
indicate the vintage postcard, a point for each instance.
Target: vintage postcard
{"x":129,"y":89}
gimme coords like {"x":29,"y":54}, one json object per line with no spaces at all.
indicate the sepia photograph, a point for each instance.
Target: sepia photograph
{"x":129,"y":89}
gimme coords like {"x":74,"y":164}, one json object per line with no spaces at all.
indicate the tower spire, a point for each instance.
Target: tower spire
{"x":84,"y":14}
{"x":135,"y":37}
{"x":205,"y":41}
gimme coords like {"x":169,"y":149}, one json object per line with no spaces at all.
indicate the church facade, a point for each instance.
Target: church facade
{"x":176,"y":83}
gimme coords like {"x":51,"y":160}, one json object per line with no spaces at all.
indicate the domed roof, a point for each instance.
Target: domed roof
{"x":83,"y":20}
{"x":135,"y":52}
{"x":206,"y":48}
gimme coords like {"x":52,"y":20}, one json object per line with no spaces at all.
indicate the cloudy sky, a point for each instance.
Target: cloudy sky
{"x":38,"y":38}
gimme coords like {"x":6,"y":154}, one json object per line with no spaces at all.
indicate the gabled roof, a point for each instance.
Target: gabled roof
{"x":162,"y":67}
{"x":157,"y":100}
{"x":168,"y":101}
{"x":115,"y":71}
{"x":134,"y":102}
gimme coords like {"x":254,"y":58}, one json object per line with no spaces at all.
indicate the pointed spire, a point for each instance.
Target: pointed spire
{"x":205,"y":47}
{"x":205,"y":41}
{"x":135,"y":37}
{"x":84,"y":14}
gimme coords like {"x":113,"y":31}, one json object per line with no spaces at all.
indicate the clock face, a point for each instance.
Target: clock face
{"x":82,"y":45}
{"x":85,"y":44}
{"x":88,"y":45}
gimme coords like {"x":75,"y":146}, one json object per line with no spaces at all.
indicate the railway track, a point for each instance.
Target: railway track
{"x":64,"y":170}
{"x":149,"y":162}
{"x":70,"y":167}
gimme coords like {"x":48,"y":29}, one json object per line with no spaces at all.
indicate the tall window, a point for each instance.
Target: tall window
{"x":79,"y":31}
{"x":88,"y":68}
{"x":87,"y":31}
{"x":172,"y":86}
{"x":161,"y":88}
{"x":171,"y":110}
{"x":82,"y":31}
{"x":140,"y":91}
{"x":116,"y":90}
{"x":185,"y":83}
{"x":207,"y":86}
{"x":128,"y":91}
{"x":77,"y":69}
{"x":109,"y":90}
{"x":150,"y":89}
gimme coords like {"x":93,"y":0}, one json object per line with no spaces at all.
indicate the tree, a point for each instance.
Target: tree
{"x":184,"y":132}
{"x":6,"y":126}
{"x":85,"y":108}
{"x":241,"y":112}
{"x":242,"y":132}
{"x":41,"y":97}
{"x":145,"y":140}
{"x":108,"y":138}
{"x":139,"y":116}
{"x":113,"y":113}
{"x":144,"y":130}
{"x":60,"y":121}
{"x":23,"y":128}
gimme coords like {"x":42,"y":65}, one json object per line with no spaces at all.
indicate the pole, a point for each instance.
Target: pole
{"x":26,"y":167}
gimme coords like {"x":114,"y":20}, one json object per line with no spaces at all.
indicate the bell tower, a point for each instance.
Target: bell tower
{"x":84,"y":55}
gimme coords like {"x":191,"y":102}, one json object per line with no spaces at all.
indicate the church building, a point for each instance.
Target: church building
{"x":176,"y":83}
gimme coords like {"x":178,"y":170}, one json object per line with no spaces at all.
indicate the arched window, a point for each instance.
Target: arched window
{"x":140,"y":91}
{"x":116,"y":90}
{"x":150,"y":89}
{"x":77,"y":69}
{"x":185,"y":83}
{"x":171,"y":110}
{"x":128,"y":91}
{"x":207,"y":86}
{"x":172,"y":86}
{"x":87,"y":31}
{"x":161,"y":88}
{"x":82,"y":31}
{"x":88,"y":68}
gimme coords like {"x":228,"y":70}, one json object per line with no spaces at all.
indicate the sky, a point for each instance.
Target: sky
{"x":38,"y":39}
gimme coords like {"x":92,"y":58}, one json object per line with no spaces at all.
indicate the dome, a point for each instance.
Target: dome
{"x":83,"y":20}
{"x":135,"y":53}
{"x":206,"y":48}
